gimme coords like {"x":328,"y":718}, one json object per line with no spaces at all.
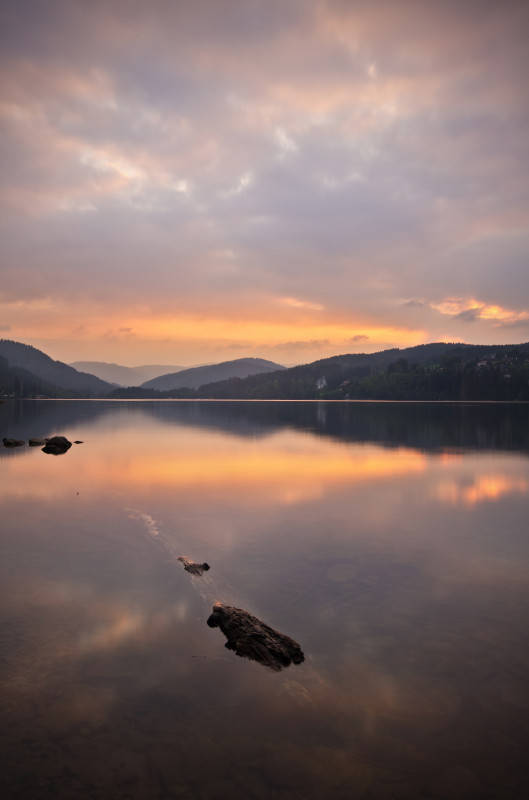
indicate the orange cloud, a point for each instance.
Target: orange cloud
{"x":265,"y":327}
{"x":471,"y":309}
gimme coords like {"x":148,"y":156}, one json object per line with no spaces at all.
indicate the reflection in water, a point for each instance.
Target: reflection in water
{"x":389,"y":539}
{"x":484,"y":488}
{"x":284,"y":468}
{"x":427,"y":426}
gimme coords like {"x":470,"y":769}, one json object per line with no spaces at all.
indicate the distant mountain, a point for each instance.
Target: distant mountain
{"x":198,"y":376}
{"x":55,"y":373}
{"x":154,"y":370}
{"x":112,"y":373}
{"x":123,"y":376}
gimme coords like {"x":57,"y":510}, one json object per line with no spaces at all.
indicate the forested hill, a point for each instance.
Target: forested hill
{"x":194,"y":377}
{"x":437,"y":371}
{"x":41,"y":374}
{"x":428,"y":372}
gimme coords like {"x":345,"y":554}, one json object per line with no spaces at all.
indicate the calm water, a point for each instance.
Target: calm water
{"x":390,"y":540}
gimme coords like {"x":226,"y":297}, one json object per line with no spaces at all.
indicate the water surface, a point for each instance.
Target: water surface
{"x":389,"y":540}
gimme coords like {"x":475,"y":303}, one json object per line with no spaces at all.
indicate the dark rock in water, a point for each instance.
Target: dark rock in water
{"x":190,"y":566}
{"x":37,"y":442}
{"x":251,"y":638}
{"x":77,"y":441}
{"x":59,"y":441}
{"x":12,"y":442}
{"x":57,"y":445}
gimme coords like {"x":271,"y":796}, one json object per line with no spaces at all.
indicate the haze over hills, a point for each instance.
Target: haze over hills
{"x":58,"y":375}
{"x":124,"y":376}
{"x":154,"y":370}
{"x":195,"y":377}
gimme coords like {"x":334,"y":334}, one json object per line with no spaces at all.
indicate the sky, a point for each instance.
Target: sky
{"x":192,"y":182}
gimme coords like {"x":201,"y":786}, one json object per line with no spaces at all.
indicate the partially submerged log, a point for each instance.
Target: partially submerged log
{"x":192,"y":567}
{"x":250,"y":638}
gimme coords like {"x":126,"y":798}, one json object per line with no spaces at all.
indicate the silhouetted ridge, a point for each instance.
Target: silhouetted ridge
{"x":195,"y":377}
{"x":55,"y":373}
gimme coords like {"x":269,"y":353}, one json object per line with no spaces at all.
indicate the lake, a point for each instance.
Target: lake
{"x":390,"y":540}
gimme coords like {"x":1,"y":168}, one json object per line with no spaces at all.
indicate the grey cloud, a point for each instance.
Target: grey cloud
{"x":232,"y":345}
{"x":469,"y":315}
{"x":312,"y":344}
{"x":507,"y":324}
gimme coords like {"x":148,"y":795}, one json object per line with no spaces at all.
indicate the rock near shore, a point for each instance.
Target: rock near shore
{"x":57,"y":445}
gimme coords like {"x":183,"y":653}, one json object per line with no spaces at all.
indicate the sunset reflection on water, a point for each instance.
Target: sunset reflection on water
{"x":285,"y":467}
{"x":482,"y":489}
{"x":401,"y":570}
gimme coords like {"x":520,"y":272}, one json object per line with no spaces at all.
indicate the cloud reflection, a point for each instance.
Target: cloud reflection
{"x":481,"y":489}
{"x":286,"y":468}
{"x":87,"y":634}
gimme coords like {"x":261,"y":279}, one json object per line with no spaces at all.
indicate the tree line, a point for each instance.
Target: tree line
{"x":429,"y":372}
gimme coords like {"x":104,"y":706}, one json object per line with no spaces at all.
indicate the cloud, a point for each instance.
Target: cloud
{"x":414,"y":304}
{"x":311,"y":344}
{"x":513,"y":323}
{"x":472,"y":310}
{"x":5,"y":327}
{"x":232,"y":346}
{"x":469,"y":315}
{"x":344,"y":155}
{"x":360,"y":337}
{"x":293,"y":302}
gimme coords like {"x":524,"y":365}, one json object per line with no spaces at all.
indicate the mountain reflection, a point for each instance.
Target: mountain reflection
{"x":426,"y":426}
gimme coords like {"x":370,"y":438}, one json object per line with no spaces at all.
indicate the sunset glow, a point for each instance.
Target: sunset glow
{"x":284,"y":327}
{"x":283,"y":469}
{"x":484,"y":489}
{"x":195,"y":183}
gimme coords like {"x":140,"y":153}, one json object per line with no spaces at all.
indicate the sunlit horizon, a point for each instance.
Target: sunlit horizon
{"x":190,"y":184}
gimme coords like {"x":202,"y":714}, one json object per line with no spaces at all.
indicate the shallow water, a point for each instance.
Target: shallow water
{"x":389,"y":540}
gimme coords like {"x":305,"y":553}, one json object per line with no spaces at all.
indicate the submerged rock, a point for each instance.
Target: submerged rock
{"x":250,"y":638}
{"x":37,"y":442}
{"x":57,"y":445}
{"x":13,"y":442}
{"x":190,"y":566}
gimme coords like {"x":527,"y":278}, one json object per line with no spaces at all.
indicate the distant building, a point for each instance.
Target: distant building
{"x":321,"y":383}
